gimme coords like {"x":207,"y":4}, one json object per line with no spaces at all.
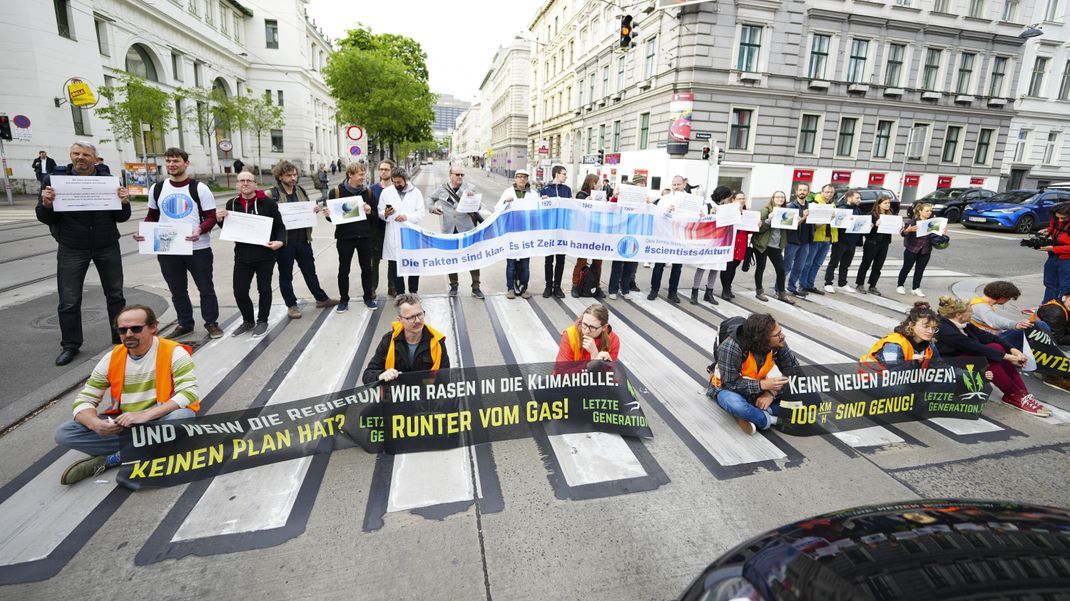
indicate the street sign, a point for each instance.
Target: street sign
{"x":590,"y":159}
{"x":663,"y":144}
{"x":613,"y":158}
{"x":355,"y":151}
{"x":21,"y":121}
{"x":543,"y":147}
{"x":226,"y":145}
{"x":702,"y":136}
{"x":355,"y":133}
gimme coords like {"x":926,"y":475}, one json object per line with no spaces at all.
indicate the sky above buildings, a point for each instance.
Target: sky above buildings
{"x":460,"y":37}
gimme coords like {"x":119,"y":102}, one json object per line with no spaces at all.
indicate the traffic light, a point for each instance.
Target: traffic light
{"x":5,"y":127}
{"x":705,"y":153}
{"x":601,"y":156}
{"x":720,"y":155}
{"x":627,"y":32}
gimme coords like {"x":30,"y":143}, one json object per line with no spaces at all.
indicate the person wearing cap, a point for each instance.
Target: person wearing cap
{"x":517,"y":271}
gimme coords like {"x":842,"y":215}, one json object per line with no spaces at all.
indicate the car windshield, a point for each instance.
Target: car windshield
{"x":1011,"y":197}
{"x":943,"y":194}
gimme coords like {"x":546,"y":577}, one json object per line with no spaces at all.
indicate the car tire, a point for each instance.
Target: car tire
{"x":953,"y":215}
{"x":1025,"y":225}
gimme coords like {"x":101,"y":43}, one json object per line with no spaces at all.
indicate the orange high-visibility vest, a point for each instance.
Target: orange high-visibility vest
{"x":749,"y":369}
{"x":1066,"y":314}
{"x":436,"y":348}
{"x":165,"y":383}
{"x":895,"y":338}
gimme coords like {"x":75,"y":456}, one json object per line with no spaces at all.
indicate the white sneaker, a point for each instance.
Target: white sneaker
{"x":900,"y":290}
{"x":830,"y":289}
{"x":623,"y":296}
{"x":917,"y":292}
{"x":648,"y":264}
{"x":613,"y":296}
{"x":848,"y":288}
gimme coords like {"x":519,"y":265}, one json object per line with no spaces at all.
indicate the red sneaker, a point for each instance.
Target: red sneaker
{"x":1029,"y":404}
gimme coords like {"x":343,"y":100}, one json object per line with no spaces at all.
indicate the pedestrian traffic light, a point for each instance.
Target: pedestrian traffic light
{"x":705,"y":153}
{"x":5,"y":127}
{"x":627,"y":32}
{"x":601,"y":156}
{"x":720,"y":155}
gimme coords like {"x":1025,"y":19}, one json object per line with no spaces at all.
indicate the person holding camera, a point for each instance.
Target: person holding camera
{"x":1057,"y":267}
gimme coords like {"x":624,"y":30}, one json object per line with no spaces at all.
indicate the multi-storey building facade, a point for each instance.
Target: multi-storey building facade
{"x":506,"y":89}
{"x":906,"y":96}
{"x":556,"y":31}
{"x":224,"y":44}
{"x":447,"y":110}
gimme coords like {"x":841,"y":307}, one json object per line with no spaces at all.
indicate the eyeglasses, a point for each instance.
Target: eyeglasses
{"x":933,"y":329}
{"x":458,"y":174}
{"x":413,"y":318}
{"x":246,"y":181}
{"x":135,"y":329}
{"x":587,"y":326}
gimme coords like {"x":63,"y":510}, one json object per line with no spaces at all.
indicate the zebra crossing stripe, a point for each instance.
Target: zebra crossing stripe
{"x":882,"y":321}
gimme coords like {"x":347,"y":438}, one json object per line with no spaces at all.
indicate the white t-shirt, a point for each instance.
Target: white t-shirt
{"x":177,"y":206}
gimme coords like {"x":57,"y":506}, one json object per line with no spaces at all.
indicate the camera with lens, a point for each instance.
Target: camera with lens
{"x":1036,"y":241}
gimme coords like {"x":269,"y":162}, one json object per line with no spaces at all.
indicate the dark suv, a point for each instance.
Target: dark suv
{"x":869,"y":196}
{"x":949,"y":202}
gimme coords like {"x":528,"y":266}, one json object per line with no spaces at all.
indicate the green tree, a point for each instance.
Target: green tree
{"x":131,"y":103}
{"x":260,"y":115}
{"x":398,"y":47}
{"x":213,"y":111}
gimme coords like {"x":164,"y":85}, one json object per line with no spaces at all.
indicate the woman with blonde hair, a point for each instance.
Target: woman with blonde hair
{"x":768,"y":244}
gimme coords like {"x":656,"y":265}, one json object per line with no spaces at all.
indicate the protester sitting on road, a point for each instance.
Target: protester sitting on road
{"x":254,"y":259}
{"x":917,"y":250}
{"x":768,"y":244}
{"x":874,"y":249}
{"x":410,"y":346}
{"x":150,"y":378}
{"x":1056,"y":315}
{"x":590,"y":184}
{"x":912,"y":340}
{"x":957,"y":337}
{"x":1005,"y":329}
{"x":591,"y":338}
{"x":742,"y":383}
{"x":516,"y":270}
{"x":719,"y":195}
{"x":1057,"y":266}
{"x":399,"y":203}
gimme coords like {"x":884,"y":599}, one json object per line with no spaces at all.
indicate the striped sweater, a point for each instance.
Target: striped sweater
{"x":139,"y":387}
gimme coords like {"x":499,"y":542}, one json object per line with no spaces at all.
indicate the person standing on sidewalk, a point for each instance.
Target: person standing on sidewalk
{"x":298,"y":244}
{"x":590,"y":184}
{"x":43,"y":165}
{"x":517,"y":271}
{"x":843,"y":250}
{"x":739,"y":251}
{"x":554,"y":265}
{"x":354,"y":236}
{"x":769,"y":245}
{"x":800,"y":240}
{"x":824,"y":236}
{"x":83,"y":237}
{"x":182,"y":199}
{"x":874,"y":249}
{"x":385,"y":168}
{"x":667,"y":204}
{"x":719,"y":195}
{"x":444,"y":203}
{"x":398,"y":204}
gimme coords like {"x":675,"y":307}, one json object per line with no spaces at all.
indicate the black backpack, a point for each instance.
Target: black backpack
{"x":157,"y":189}
{"x":588,"y":282}
{"x":729,"y":328}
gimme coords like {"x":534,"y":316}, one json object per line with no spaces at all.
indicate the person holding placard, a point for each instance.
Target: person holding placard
{"x":594,"y":272}
{"x":843,"y":249}
{"x":719,"y":195}
{"x":554,"y":265}
{"x":667,"y":204}
{"x":385,"y":168}
{"x":800,"y":240}
{"x":298,"y":243}
{"x":769,"y":245}
{"x":83,"y":237}
{"x":824,"y":237}
{"x":398,"y":204}
{"x":516,"y":270}
{"x":254,"y":260}
{"x":739,"y":251}
{"x":354,"y":236}
{"x":182,"y":199}
{"x":916,"y":249}
{"x":445,"y":202}
{"x":874,"y":249}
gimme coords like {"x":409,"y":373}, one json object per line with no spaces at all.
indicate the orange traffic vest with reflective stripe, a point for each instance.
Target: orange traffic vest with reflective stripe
{"x":749,"y":369}
{"x":165,"y":383}
{"x":1055,"y":302}
{"x":436,"y":348}
{"x":895,"y":338}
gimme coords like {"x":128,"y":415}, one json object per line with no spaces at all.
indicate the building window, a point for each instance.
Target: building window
{"x":931,"y":71}
{"x":951,"y":144}
{"x":819,"y":53}
{"x":237,"y":27}
{"x":616,"y":136}
{"x":140,"y":63}
{"x":856,"y":65}
{"x":602,"y":137}
{"x":939,"y":6}
{"x":605,"y":80}
{"x":178,"y":123}
{"x":919,"y":140}
{"x":63,"y":18}
{"x":845,"y":140}
{"x":984,"y":145}
{"x":590,"y":140}
{"x":268,"y":97}
{"x":1052,"y":12}
{"x":281,"y":103}
{"x":1049,"y":147}
{"x":197,"y":68}
{"x":962,"y":83}
{"x":882,"y":139}
{"x":571,"y":52}
{"x":271,"y":36}
{"x":276,"y":140}
{"x":999,"y":71}
{"x":176,"y":66}
{"x":902,"y":2}
{"x":750,"y":44}
{"x":1021,"y":146}
{"x":977,"y":8}
{"x":590,"y":90}
{"x":1064,"y":85}
{"x":620,"y":73}
{"x":1010,"y":10}
{"x":1036,"y":79}
{"x":651,"y":50}
{"x":81,"y":121}
{"x":222,"y":19}
{"x":102,"y":37}
{"x":580,"y":89}
{"x":809,"y":127}
{"x":894,"y":70}
{"x":644,"y":130}
{"x":740,"y":129}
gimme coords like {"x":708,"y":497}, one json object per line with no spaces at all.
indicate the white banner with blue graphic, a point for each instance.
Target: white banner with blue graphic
{"x":566,"y":226}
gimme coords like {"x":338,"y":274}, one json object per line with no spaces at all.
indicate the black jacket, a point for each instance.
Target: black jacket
{"x":845,"y":238}
{"x":301,"y":234}
{"x":83,"y":230}
{"x":50,"y":165}
{"x":356,"y":229}
{"x":254,"y":253}
{"x":422,"y":361}
{"x":1055,"y":317}
{"x":804,"y":234}
{"x":969,"y":342}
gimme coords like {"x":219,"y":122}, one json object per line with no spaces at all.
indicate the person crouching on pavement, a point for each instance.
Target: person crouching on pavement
{"x":150,"y":379}
{"x":590,"y":339}
{"x":411,"y":345}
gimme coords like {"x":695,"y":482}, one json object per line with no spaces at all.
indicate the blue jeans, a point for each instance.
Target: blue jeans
{"x":1056,"y":277}
{"x":306,"y":262}
{"x":199,"y":265}
{"x":73,"y":435}
{"x":621,"y":276}
{"x":516,"y":274}
{"x":674,"y":277}
{"x":795,"y":260}
{"x":818,"y":252}
{"x":737,"y":406}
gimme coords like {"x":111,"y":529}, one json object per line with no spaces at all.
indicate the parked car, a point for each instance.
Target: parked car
{"x":949,"y":202}
{"x":915,"y":550}
{"x":870,"y":196}
{"x":1021,"y":211}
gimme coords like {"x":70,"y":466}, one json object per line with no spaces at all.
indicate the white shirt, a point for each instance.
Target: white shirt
{"x":177,"y":206}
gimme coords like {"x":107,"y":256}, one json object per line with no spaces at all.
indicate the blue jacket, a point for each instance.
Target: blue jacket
{"x":556,"y":191}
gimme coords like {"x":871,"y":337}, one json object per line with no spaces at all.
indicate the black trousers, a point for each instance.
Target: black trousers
{"x":399,"y":282}
{"x":71,"y":267}
{"x":365,"y":252}
{"x":243,"y":281}
{"x":776,"y":257}
{"x":674,"y":277}
{"x":199,"y":265}
{"x":553,"y":269}
{"x":728,"y":275}
{"x":840,"y":257}
{"x":918,"y":262}
{"x":874,"y":252}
